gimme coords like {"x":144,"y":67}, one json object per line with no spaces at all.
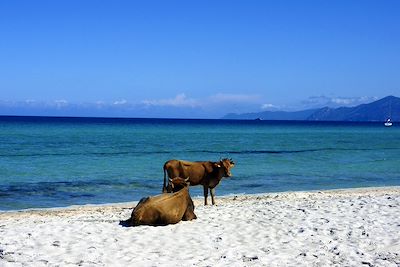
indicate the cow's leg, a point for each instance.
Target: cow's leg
{"x":205,"y":188}
{"x":212,"y":192}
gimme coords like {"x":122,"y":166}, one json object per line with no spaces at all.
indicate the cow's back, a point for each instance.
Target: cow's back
{"x":161,"y":209}
{"x":196,"y":171}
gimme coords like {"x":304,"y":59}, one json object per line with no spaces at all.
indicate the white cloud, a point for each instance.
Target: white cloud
{"x":269,"y":107}
{"x":61,"y":103}
{"x":234,"y":98}
{"x":30,"y":101}
{"x":98,"y":104}
{"x":120,"y":102}
{"x":342,"y":101}
{"x":210,"y":106}
{"x":179,"y":100}
{"x":319,"y":101}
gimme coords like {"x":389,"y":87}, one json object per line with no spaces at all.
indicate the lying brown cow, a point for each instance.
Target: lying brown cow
{"x":165,"y":208}
{"x":205,"y":173}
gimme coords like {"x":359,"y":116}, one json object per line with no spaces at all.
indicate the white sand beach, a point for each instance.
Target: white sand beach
{"x":353,"y":227}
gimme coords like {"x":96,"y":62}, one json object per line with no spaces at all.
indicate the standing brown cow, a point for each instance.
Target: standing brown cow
{"x":205,"y":173}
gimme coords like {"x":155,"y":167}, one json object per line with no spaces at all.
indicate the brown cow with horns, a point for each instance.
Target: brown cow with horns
{"x":205,"y":173}
{"x":165,"y":208}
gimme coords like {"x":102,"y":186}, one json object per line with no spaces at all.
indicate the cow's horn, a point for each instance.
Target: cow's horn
{"x":187,"y":179}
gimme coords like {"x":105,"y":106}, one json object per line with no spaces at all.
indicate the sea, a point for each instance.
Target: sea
{"x":48,"y":162}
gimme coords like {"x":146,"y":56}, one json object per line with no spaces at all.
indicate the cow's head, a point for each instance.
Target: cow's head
{"x":225,"y":165}
{"x":177,"y":183}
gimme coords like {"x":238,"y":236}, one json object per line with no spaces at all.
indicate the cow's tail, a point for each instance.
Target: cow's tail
{"x":164,"y":189}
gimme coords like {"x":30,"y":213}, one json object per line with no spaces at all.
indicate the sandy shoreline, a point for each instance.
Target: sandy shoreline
{"x":350,"y":227}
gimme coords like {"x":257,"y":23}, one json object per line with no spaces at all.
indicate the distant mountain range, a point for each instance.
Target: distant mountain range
{"x":378,"y":110}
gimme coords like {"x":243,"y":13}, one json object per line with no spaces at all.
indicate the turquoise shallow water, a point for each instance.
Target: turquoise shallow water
{"x":53,"y":162}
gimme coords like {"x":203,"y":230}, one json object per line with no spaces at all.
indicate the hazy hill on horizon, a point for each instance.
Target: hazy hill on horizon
{"x":378,"y":110}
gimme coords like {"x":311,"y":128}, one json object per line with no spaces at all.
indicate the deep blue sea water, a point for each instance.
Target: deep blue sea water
{"x":55,"y":162}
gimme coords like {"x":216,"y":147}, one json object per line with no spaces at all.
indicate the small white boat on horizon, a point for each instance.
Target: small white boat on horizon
{"x":388,"y":123}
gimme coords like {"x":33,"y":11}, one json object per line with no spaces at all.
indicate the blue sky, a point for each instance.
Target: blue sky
{"x":195,"y":58}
